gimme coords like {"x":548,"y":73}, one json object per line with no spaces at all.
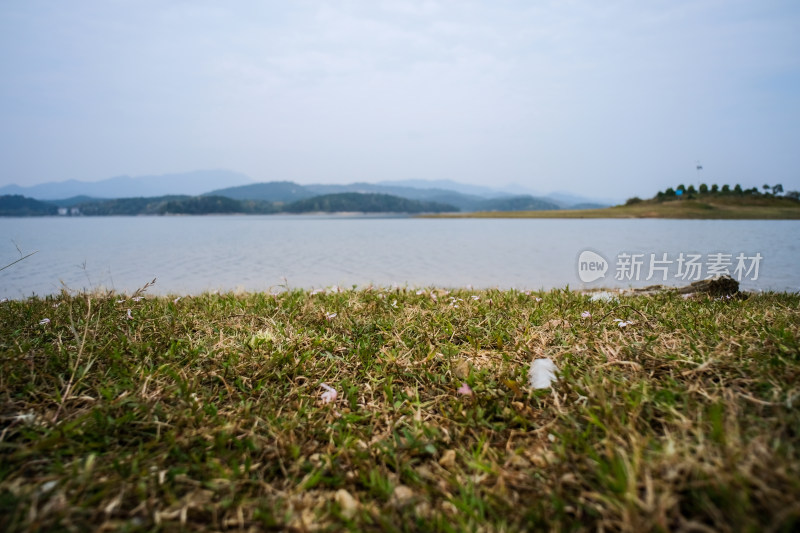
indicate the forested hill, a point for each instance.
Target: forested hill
{"x":16,"y":205}
{"x":365,"y":203}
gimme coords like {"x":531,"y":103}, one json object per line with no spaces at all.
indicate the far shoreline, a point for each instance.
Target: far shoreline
{"x":686,"y":210}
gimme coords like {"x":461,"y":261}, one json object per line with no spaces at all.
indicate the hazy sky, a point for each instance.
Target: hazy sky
{"x":605,"y":98}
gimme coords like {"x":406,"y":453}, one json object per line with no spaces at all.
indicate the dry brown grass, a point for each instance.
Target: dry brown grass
{"x":206,"y":413}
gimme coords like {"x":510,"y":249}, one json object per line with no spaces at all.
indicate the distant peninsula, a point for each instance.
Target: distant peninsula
{"x":704,"y":202}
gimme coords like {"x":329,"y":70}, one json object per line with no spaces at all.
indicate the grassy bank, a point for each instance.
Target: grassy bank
{"x":762,"y":208}
{"x":208,"y":412}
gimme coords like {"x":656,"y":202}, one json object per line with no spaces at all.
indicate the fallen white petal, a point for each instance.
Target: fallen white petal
{"x":330,"y":393}
{"x":26,"y":418}
{"x":542,"y":373}
{"x":48,"y":486}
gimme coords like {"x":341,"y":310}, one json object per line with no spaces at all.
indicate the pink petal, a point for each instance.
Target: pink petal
{"x":465,"y":390}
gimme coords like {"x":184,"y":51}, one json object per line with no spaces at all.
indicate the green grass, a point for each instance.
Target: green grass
{"x":722,"y":207}
{"x":206,"y":412}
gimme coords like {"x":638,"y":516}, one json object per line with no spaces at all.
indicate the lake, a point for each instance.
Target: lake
{"x":189,"y":255}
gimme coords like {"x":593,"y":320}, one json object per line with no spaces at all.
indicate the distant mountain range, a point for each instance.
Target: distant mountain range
{"x":287,"y":191}
{"x":186,"y":183}
{"x":237,"y":186}
{"x":563,"y":199}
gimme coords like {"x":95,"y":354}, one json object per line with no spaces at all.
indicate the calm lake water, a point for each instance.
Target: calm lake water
{"x":189,"y":255}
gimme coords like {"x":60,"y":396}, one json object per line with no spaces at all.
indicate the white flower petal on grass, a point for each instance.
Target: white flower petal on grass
{"x":586,"y":314}
{"x":420,"y":292}
{"x":542,"y":373}
{"x":330,"y":316}
{"x":138,"y":298}
{"x":475,"y":297}
{"x":48,"y":486}
{"x":330,"y":393}
{"x":25,"y":418}
{"x":129,"y":316}
{"x":44,"y":321}
{"x":538,"y":299}
{"x":176,"y":300}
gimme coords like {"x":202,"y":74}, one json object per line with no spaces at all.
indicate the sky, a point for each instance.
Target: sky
{"x":608,"y":99}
